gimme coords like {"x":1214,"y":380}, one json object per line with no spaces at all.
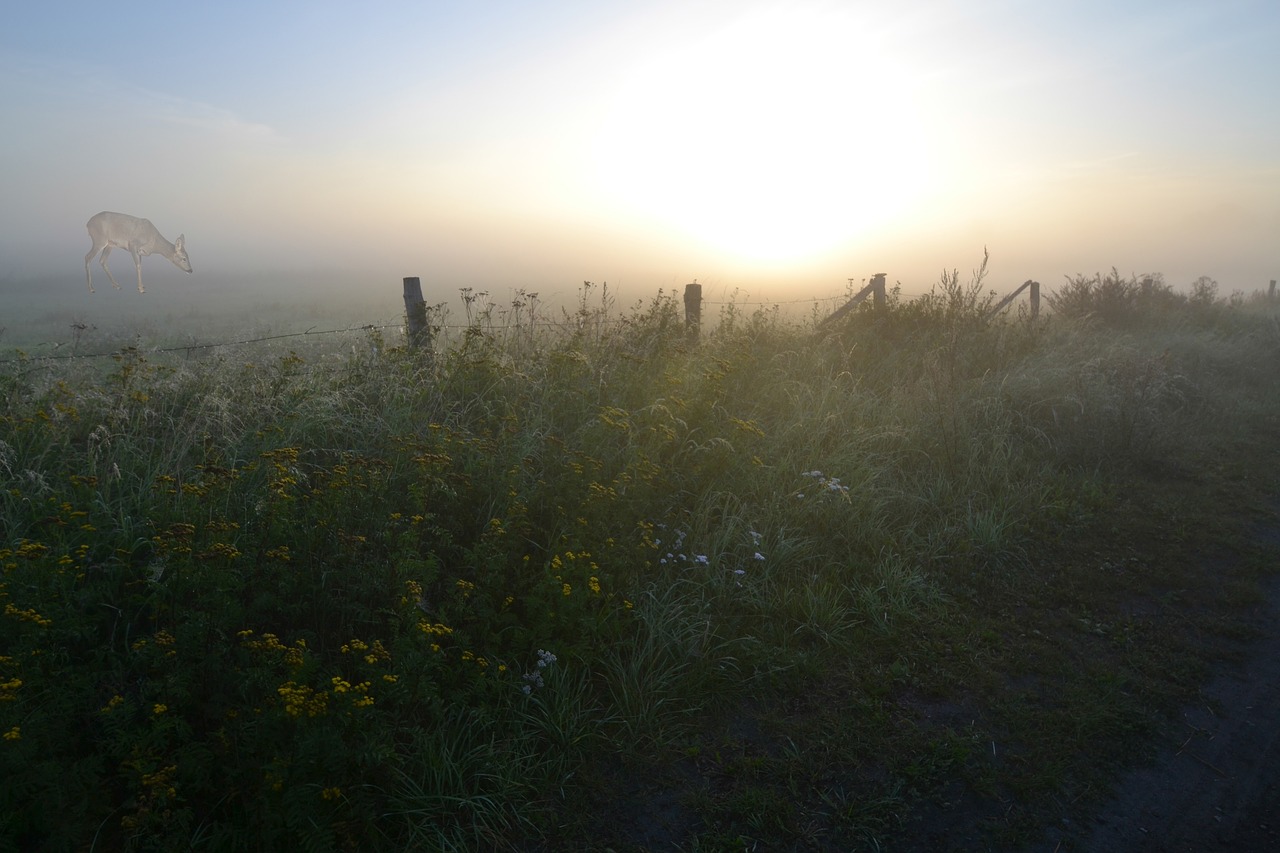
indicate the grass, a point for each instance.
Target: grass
{"x":920,"y":579}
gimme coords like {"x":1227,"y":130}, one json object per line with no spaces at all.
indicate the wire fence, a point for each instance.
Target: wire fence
{"x":492,"y":318}
{"x":186,"y":348}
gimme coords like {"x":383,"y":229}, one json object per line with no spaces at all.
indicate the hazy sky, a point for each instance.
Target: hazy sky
{"x":779,"y":147}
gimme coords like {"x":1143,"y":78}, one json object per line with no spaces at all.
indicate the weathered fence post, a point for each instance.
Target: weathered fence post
{"x":692,"y":310}
{"x":1271,"y":291}
{"x":875,"y":289}
{"x":415,"y":309}
{"x":877,"y":284}
{"x":1029,"y":285}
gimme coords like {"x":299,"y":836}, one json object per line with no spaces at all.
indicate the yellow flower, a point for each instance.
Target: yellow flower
{"x":331,"y":793}
{"x":567,"y":590}
{"x":14,"y":733}
{"x":159,"y":709}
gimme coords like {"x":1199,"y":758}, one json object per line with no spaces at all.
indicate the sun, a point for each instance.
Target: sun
{"x":775,"y":139}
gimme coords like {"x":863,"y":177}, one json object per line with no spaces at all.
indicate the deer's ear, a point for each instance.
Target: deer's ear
{"x":180,"y":240}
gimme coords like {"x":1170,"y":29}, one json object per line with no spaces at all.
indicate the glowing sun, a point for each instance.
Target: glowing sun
{"x":774,"y":139}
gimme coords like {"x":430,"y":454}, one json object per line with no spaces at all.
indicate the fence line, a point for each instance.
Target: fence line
{"x":419,"y":328}
{"x":190,"y":347}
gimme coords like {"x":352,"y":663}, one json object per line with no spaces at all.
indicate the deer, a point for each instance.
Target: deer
{"x":120,"y":231}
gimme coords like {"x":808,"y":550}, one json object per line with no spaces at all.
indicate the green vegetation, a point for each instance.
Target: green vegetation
{"x":608,"y":588}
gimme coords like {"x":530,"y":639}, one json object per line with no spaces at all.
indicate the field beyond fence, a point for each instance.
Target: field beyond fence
{"x":584,"y":579}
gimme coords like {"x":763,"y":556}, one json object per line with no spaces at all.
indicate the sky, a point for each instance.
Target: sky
{"x":776,"y":149}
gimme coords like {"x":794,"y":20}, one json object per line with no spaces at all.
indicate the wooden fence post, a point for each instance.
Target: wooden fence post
{"x":692,"y":310}
{"x":415,"y":309}
{"x":1029,"y":285}
{"x":877,"y":284}
{"x":874,"y":289}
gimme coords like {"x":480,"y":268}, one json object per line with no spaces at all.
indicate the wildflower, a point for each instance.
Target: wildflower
{"x":593,"y":583}
{"x":700,"y":559}
{"x":534,"y":678}
{"x":28,"y":615}
{"x":14,"y":733}
{"x":739,"y":572}
{"x":331,"y":793}
{"x":159,"y":709}
{"x":758,"y":556}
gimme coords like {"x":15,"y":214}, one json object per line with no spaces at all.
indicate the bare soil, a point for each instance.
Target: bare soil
{"x":1215,"y":784}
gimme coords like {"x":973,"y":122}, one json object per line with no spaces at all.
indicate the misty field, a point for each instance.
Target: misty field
{"x":917,"y":575}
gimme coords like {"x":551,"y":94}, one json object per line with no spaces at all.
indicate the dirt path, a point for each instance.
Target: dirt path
{"x":1216,"y":785}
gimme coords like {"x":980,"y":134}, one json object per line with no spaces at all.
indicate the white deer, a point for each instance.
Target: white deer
{"x":121,"y":231}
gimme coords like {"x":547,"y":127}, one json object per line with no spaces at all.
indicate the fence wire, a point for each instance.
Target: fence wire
{"x":571,"y":323}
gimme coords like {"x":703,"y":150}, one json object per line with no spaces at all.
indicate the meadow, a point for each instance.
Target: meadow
{"x":920,"y":578}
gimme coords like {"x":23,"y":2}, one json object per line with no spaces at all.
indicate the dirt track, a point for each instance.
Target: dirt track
{"x":1216,"y":786}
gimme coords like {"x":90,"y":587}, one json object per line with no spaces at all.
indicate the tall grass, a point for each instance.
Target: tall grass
{"x":381,"y":600}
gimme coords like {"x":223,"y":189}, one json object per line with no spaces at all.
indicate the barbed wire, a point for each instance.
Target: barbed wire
{"x":774,"y":301}
{"x":571,"y":322}
{"x":194,"y":346}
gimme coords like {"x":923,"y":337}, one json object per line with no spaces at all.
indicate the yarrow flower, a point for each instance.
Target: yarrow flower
{"x":829,"y":484}
{"x":534,"y":678}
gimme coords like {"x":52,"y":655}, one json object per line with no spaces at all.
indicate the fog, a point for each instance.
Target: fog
{"x":315,"y":157}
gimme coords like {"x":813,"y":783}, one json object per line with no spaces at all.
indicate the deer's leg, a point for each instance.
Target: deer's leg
{"x":137,"y":265}
{"x":88,"y":274}
{"x":103,"y":260}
